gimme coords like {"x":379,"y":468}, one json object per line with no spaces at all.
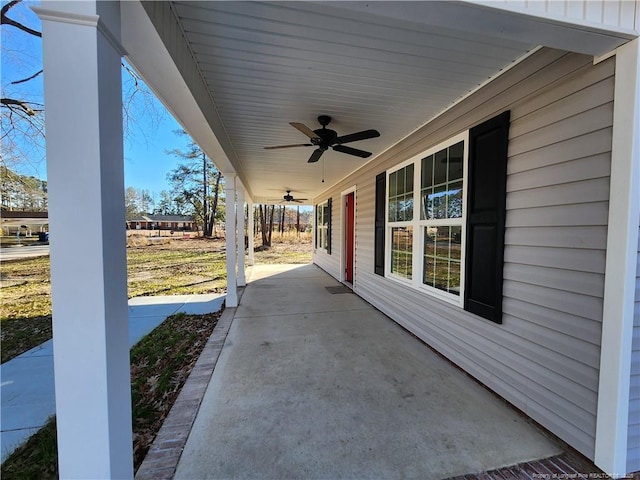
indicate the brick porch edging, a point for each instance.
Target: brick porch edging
{"x":163,"y":456}
{"x":566,"y":466}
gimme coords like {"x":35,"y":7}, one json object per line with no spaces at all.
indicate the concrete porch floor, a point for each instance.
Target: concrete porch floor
{"x":311,"y":384}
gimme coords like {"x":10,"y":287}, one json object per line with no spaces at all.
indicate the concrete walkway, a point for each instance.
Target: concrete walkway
{"x":27,"y":384}
{"x":311,"y":384}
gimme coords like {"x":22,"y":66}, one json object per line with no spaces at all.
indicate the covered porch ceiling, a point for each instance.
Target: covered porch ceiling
{"x":253,"y":67}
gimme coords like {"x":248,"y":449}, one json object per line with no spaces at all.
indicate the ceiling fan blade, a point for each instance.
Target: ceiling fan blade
{"x":354,"y":137}
{"x":315,"y":156}
{"x":289,"y":146}
{"x":352,"y":151}
{"x":306,"y":130}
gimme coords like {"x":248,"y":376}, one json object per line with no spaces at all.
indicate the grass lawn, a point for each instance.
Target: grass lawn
{"x":181,"y":267}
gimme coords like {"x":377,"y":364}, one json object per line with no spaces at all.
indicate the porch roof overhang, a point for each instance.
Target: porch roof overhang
{"x":234,"y":74}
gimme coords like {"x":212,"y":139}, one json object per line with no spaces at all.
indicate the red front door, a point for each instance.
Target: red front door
{"x":349,"y":243}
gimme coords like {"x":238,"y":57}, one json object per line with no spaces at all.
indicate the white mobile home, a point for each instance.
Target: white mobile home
{"x":494,"y":213}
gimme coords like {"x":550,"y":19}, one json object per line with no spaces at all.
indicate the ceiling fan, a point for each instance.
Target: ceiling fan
{"x":323,"y":138}
{"x":288,"y":198}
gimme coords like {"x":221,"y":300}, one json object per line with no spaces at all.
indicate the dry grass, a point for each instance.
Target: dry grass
{"x":160,"y":364}
{"x":190,"y":266}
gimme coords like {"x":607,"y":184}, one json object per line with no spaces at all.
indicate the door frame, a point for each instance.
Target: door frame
{"x":343,"y":233}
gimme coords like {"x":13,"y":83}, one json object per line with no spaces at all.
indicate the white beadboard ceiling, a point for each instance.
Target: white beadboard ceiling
{"x":268,"y":64}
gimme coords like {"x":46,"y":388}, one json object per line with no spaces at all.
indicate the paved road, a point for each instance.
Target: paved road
{"x":27,"y":251}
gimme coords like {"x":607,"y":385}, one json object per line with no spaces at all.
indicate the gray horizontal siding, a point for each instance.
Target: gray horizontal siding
{"x":633,"y":440}
{"x":330,"y":263}
{"x":544,"y":358}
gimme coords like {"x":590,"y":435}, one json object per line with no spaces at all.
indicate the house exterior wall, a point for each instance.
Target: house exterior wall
{"x":544,"y":358}
{"x":633,"y":445}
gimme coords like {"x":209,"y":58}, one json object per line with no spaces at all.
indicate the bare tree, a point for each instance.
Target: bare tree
{"x":21,"y":101}
{"x":266,"y":223}
{"x":196,"y":182}
{"x":21,"y":107}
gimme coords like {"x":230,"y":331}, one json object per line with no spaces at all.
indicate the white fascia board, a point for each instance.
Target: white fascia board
{"x":497,"y":20}
{"x":546,"y":15}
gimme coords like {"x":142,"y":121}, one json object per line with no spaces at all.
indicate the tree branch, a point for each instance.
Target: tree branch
{"x":26,"y":79}
{"x":10,"y":103}
{"x":4,"y":20}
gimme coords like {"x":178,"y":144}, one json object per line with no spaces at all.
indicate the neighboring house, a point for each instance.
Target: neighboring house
{"x":13,"y":222}
{"x":162,"y":222}
{"x":498,"y":218}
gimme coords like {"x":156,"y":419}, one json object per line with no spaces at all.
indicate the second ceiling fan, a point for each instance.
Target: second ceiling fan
{"x":323,"y":138}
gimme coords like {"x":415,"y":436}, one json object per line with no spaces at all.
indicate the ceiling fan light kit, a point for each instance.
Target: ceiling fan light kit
{"x":325,"y":138}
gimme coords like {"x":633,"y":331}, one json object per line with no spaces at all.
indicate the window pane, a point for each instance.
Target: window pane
{"x":442,"y":254}
{"x":425,"y":211}
{"x":454,"y":200}
{"x":454,"y":278}
{"x":440,"y":167}
{"x":438,"y":202}
{"x":441,"y":274}
{"x":409,"y":179}
{"x":401,"y":195}
{"x":408,"y":208}
{"x":427,"y":172}
{"x":401,"y":182}
{"x":455,"y":162}
{"x":430,"y":240}
{"x":393,"y":190}
{"x":401,"y":251}
{"x":428,"y":275}
{"x":456,"y":243}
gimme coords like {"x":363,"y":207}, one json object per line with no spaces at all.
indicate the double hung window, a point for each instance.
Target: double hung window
{"x":323,"y":226}
{"x":425,"y":220}
{"x":440,"y":219}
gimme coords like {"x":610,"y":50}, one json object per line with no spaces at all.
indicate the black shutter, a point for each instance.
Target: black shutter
{"x":381,"y":192}
{"x":329,"y":227}
{"x":487,"y":187}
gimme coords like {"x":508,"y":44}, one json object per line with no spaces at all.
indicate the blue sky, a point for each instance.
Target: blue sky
{"x":150,"y":133}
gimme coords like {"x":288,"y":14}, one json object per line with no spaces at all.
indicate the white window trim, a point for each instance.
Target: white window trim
{"x":319,"y":207}
{"x":419,"y":225}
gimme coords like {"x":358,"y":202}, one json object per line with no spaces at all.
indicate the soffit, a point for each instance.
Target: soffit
{"x":268,"y":64}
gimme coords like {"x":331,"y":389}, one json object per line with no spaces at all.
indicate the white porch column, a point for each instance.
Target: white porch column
{"x":242,"y":281}
{"x":250,"y":228}
{"x":230,"y":235}
{"x":85,"y":173}
{"x":612,"y":423}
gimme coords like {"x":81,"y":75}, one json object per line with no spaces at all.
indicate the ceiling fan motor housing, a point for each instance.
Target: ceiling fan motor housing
{"x":327,"y":138}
